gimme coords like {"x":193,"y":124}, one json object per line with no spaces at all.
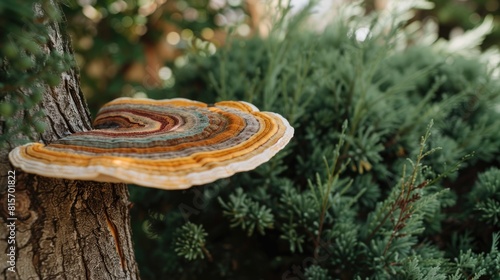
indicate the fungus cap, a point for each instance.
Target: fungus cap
{"x":166,"y":144}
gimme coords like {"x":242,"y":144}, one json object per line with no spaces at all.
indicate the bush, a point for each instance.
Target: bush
{"x":378,"y":182}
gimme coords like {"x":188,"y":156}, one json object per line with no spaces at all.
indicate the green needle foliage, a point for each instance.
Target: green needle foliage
{"x":485,"y":197}
{"x":366,"y":189}
{"x":190,"y":241}
{"x":246,"y":213}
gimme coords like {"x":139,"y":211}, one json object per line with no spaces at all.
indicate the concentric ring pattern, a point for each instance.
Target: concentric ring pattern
{"x":167,"y":144}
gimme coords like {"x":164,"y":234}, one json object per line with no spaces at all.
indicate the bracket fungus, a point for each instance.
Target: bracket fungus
{"x":166,"y":144}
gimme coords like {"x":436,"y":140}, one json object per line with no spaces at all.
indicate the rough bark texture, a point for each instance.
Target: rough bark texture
{"x":66,"y":229}
{"x":70,"y":230}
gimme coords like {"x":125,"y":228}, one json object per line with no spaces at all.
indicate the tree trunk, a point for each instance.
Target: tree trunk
{"x":64,"y":229}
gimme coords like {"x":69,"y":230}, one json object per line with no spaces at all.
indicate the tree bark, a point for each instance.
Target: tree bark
{"x":64,"y":229}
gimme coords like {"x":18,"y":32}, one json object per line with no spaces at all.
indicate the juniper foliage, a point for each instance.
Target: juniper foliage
{"x":366,"y":188}
{"x":359,"y":192}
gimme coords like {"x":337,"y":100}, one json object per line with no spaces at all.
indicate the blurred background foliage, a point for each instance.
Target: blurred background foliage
{"x":130,"y":47}
{"x":360,"y":83}
{"x":127,"y":48}
{"x":455,"y":17}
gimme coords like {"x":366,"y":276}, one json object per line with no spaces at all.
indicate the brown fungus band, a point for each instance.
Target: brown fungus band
{"x":167,"y":144}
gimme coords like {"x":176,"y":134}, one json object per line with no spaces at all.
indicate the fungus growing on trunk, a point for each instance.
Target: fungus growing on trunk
{"x":166,"y":144}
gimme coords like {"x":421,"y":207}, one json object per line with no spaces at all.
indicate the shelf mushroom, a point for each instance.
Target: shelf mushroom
{"x":166,"y":144}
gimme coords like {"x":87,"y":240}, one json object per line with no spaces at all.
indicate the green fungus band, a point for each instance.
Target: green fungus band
{"x":167,"y":144}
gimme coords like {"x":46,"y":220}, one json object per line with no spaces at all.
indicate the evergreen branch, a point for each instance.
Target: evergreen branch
{"x":206,"y":252}
{"x":333,"y":175}
{"x":246,"y":213}
{"x":190,"y":242}
{"x":405,"y":204}
{"x":406,"y":197}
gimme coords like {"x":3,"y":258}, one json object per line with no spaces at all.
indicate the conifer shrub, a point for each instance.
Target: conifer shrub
{"x":392,"y":172}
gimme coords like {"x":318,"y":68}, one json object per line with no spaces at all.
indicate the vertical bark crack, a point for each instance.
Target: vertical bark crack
{"x":77,"y":98}
{"x":114,"y":232}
